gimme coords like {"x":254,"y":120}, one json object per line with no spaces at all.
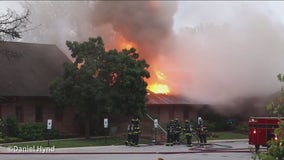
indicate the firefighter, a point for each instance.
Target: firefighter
{"x":177,"y":131}
{"x":199,"y":121}
{"x":170,"y":133}
{"x":201,"y":131}
{"x":187,"y":130}
{"x":130,"y":133}
{"x":136,"y":131}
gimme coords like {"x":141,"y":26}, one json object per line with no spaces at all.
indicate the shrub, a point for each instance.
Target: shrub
{"x":242,"y":128}
{"x":2,"y":128}
{"x":12,"y":126}
{"x":52,"y":134}
{"x":219,"y":125}
{"x":37,"y":132}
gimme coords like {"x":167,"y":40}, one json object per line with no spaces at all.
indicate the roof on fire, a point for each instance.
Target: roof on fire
{"x":27,"y":68}
{"x":166,"y":99}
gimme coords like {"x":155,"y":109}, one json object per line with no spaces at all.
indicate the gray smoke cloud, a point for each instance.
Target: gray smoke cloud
{"x":234,"y":51}
{"x":54,"y":22}
{"x":145,"y":23}
{"x":223,"y":51}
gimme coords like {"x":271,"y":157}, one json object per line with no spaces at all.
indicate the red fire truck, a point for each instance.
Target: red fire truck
{"x":261,"y":130}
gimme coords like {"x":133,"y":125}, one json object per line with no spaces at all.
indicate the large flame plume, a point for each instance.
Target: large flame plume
{"x":159,"y":86}
{"x":157,"y":83}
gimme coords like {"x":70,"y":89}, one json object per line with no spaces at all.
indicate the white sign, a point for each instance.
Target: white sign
{"x":49,"y":123}
{"x":156,"y":124}
{"x":105,"y":123}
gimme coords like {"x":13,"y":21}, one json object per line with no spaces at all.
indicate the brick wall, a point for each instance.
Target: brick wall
{"x":67,"y":124}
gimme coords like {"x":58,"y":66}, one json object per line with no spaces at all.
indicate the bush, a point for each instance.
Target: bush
{"x":2,"y":128}
{"x":242,"y":128}
{"x":12,"y":126}
{"x":52,"y":134}
{"x":217,"y":126}
{"x":37,"y":132}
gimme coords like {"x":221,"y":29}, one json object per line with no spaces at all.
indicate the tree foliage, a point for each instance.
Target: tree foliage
{"x":101,"y":82}
{"x":12,"y":24}
{"x":276,"y":148}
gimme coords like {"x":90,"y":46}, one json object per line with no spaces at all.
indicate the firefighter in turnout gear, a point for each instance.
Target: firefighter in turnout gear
{"x":177,"y":131}
{"x":170,"y":133}
{"x":130,"y":133}
{"x":136,"y":132}
{"x":201,"y":131}
{"x":188,"y":131}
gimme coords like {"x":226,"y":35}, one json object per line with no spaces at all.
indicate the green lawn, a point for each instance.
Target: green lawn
{"x":116,"y":141}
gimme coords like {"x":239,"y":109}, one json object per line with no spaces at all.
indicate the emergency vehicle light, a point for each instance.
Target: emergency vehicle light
{"x":252,"y":120}
{"x":254,"y":131}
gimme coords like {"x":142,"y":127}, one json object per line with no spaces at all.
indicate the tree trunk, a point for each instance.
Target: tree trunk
{"x":87,"y":126}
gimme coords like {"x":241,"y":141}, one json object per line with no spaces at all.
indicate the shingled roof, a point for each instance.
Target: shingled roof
{"x":26,"y":69}
{"x":166,"y":99}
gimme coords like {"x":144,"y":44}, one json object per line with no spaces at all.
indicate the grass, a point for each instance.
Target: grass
{"x":65,"y":143}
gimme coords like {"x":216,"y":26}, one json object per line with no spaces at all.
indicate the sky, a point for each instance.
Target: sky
{"x":210,"y":52}
{"x":275,"y":9}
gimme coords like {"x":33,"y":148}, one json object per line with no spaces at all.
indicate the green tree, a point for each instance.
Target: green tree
{"x":100,"y":82}
{"x":276,"y":148}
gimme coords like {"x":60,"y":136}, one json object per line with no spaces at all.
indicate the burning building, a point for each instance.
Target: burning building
{"x":26,"y":70}
{"x":210,"y":61}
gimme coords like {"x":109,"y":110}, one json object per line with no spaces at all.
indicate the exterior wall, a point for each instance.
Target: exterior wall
{"x":167,"y":112}
{"x":66,"y":124}
{"x":69,"y":124}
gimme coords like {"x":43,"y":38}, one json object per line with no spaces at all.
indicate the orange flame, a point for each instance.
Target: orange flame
{"x":157,"y":87}
{"x":124,"y":43}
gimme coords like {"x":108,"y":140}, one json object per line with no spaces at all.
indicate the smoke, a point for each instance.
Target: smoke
{"x":210,"y":52}
{"x":228,"y":51}
{"x":146,"y":24}
{"x":54,"y":22}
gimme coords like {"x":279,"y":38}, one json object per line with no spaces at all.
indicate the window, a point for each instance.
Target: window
{"x":20,"y":113}
{"x":38,"y":114}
